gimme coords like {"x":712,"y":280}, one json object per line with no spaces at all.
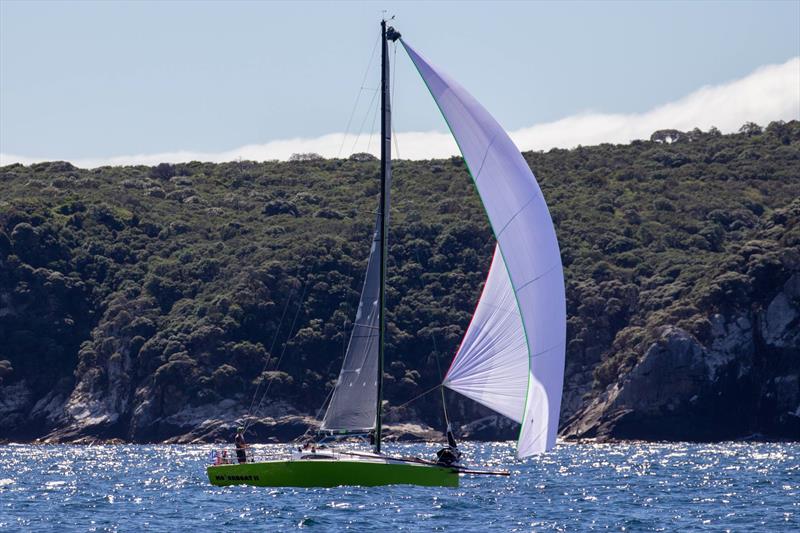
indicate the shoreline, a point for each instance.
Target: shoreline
{"x":88,"y":441}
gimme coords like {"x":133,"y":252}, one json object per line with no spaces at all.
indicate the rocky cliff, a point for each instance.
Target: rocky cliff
{"x":734,"y":374}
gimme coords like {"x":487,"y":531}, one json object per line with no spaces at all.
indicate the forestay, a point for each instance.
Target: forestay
{"x":528,"y":246}
{"x":353,"y":406}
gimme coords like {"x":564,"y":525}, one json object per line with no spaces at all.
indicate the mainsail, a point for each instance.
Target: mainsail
{"x":353,"y":406}
{"x":358,"y":392}
{"x":528,"y":249}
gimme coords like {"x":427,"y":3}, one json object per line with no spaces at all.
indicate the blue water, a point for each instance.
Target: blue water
{"x":620,"y":487}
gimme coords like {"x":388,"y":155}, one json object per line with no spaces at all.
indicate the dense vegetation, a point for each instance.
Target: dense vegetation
{"x":204,"y":281}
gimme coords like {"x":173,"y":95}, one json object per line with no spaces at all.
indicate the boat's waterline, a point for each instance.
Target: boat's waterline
{"x":331,"y":473}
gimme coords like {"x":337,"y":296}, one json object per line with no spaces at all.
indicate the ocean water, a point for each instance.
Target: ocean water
{"x":613,"y":487}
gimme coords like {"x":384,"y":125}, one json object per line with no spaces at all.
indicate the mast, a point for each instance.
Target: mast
{"x":386,"y":171}
{"x":387,"y":34}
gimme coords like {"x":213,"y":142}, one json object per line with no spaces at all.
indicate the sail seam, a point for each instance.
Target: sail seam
{"x":514,"y":216}
{"x":365,"y":325}
{"x":500,"y":308}
{"x":485,"y":155}
{"x":540,"y":276}
{"x":478,"y":373}
{"x":550,"y":349}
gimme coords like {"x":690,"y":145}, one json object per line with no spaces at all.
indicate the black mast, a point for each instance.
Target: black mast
{"x":387,"y":34}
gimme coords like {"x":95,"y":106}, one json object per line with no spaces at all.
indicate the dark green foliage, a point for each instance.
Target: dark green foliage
{"x":163,"y":171}
{"x":277,"y":207}
{"x":189,"y":268}
{"x":5,"y":369}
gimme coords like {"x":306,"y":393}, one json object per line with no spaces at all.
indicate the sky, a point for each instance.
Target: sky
{"x":145,"y":82}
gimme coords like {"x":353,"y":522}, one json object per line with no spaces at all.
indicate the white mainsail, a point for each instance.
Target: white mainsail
{"x":530,"y":254}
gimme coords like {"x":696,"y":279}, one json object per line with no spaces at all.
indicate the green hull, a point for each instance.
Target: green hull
{"x":331,"y":473}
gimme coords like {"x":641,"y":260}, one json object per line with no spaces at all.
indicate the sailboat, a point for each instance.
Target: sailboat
{"x":511,"y":359}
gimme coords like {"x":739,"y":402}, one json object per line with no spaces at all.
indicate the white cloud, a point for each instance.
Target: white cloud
{"x":770,"y":93}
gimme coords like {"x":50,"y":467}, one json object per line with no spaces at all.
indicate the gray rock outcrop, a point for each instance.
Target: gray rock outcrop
{"x":744,"y":380}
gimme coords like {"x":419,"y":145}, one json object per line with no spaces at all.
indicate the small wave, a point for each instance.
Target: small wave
{"x":339,"y":505}
{"x":6,"y":482}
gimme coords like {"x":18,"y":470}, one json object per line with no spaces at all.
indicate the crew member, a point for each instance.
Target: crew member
{"x":449,"y":455}
{"x":241,"y":445}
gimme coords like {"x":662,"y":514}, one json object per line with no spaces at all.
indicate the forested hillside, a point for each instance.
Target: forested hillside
{"x":148,"y":303}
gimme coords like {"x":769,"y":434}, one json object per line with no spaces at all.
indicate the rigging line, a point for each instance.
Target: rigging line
{"x":271,"y":348}
{"x":283,"y":352}
{"x":441,"y":379}
{"x":333,"y":389}
{"x":345,"y":343}
{"x":363,"y":122}
{"x":444,"y":408}
{"x":433,"y":337}
{"x":394,"y":82}
{"x":285,"y":344}
{"x":436,"y":357}
{"x":321,"y":407}
{"x":344,"y":338}
{"x":418,"y":396}
{"x":358,"y":97}
{"x":372,"y":128}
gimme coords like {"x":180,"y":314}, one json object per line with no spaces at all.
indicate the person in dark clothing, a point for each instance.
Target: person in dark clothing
{"x":449,"y":455}
{"x":241,"y":445}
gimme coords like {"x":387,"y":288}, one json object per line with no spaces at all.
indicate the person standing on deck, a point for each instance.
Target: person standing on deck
{"x":241,"y":445}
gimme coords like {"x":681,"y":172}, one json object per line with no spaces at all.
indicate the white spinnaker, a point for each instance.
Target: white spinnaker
{"x":491,"y":365}
{"x":527,"y":241}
